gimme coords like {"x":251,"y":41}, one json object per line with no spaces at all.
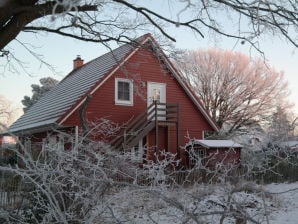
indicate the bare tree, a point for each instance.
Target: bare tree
{"x":8,"y":112}
{"x":236,"y":90}
{"x":118,"y":20}
{"x":281,"y":125}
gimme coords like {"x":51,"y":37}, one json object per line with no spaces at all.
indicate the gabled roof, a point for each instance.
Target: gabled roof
{"x":49,"y":109}
{"x":67,"y":96}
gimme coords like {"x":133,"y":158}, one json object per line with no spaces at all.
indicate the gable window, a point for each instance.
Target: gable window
{"x":123,"y":91}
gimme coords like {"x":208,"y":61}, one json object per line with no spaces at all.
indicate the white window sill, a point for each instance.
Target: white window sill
{"x":124,"y":104}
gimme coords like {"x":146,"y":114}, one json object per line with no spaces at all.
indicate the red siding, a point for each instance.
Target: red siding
{"x":224,"y":155}
{"x":37,"y":138}
{"x":145,"y":67}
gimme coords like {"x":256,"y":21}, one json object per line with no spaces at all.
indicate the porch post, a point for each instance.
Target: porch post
{"x":156,"y":126}
{"x":177,"y":133}
{"x":76,"y":137}
{"x":124,"y":139}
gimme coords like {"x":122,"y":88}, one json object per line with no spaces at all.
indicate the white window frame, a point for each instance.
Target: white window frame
{"x":137,"y":152}
{"x":124,"y":102}
{"x":61,"y":142}
{"x":198,"y":153}
{"x":28,"y":146}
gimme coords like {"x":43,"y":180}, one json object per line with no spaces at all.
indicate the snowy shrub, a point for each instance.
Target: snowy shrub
{"x":67,"y":185}
{"x":159,"y":170}
{"x":94,"y":184}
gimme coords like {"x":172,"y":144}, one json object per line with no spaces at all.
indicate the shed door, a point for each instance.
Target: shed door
{"x":157,"y":92}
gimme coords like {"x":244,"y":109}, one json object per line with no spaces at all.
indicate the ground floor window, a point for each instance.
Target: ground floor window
{"x":53,"y":142}
{"x":197,"y":156}
{"x":137,"y":152}
{"x":27,"y":145}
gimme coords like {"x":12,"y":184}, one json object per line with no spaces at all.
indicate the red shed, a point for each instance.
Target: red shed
{"x":134,"y":90}
{"x":212,"y":152}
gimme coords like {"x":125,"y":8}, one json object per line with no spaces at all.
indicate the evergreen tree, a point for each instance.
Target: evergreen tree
{"x":281,"y":126}
{"x":38,"y":90}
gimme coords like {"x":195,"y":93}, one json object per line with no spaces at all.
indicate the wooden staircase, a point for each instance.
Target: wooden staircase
{"x":157,"y":114}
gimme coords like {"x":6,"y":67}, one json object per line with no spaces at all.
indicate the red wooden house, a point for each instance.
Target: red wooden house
{"x":135,"y":86}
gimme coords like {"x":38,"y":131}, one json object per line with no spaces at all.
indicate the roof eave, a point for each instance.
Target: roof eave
{"x":33,"y":130}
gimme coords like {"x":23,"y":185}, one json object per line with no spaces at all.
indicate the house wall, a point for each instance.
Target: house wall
{"x":163,"y":142}
{"x":212,"y":156}
{"x":144,"y":67}
{"x":36,"y":139}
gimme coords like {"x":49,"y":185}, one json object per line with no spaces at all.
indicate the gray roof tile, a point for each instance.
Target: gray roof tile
{"x":67,"y":92}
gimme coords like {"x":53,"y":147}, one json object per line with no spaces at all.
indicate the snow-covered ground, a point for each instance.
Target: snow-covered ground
{"x":204,"y":203}
{"x":287,"y":198}
{"x":279,"y":201}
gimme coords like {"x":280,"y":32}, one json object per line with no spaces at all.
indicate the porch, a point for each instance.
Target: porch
{"x":156,"y":118}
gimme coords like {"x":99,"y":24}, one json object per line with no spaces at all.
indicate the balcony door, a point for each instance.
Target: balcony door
{"x":157,"y":92}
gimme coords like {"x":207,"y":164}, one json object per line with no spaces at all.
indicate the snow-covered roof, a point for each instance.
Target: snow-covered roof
{"x":215,"y":143}
{"x":66,"y":93}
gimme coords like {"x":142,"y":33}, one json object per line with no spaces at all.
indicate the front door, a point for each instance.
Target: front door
{"x":157,"y":92}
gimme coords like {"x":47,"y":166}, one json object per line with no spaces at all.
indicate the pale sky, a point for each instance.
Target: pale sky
{"x":60,"y":52}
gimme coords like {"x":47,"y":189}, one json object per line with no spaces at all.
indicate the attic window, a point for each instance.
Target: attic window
{"x":123,"y":91}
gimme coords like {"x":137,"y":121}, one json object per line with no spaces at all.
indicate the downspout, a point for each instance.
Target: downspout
{"x":76,"y":137}
{"x":82,"y":115}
